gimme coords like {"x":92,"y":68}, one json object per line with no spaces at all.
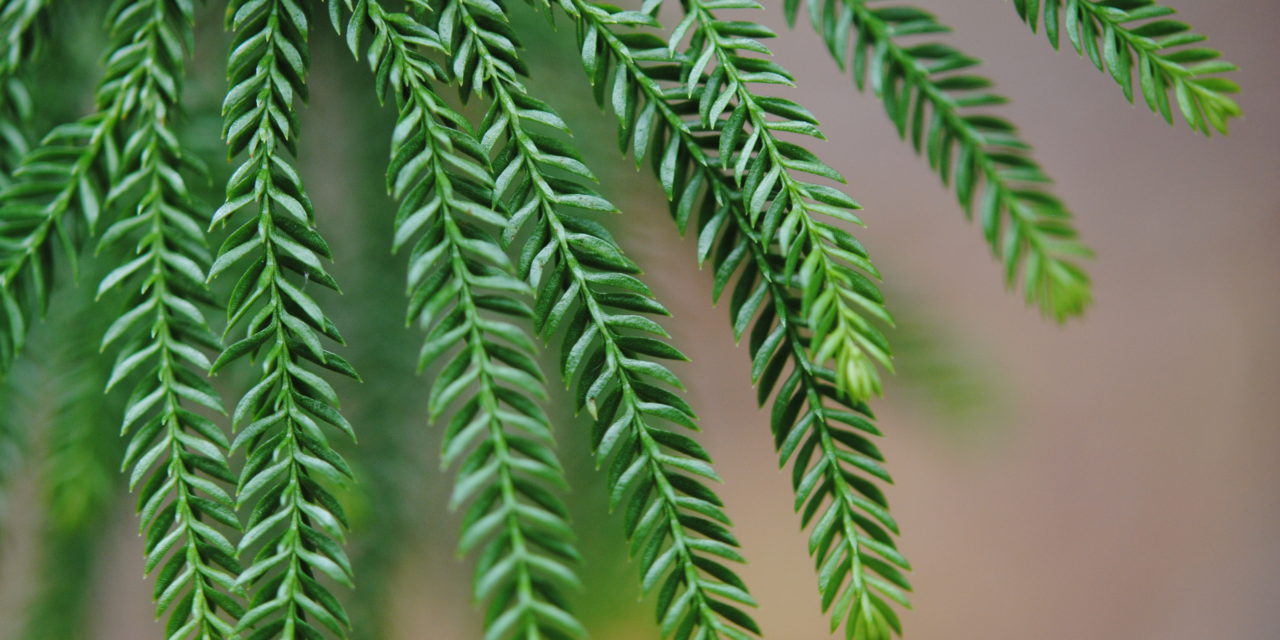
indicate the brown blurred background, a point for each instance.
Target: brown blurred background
{"x":1113,"y":478}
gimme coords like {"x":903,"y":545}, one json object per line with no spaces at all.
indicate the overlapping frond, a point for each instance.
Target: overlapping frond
{"x":296,"y":527}
{"x":586,"y":287}
{"x":177,"y":456}
{"x":1124,"y":36}
{"x":817,"y":428}
{"x":37,"y":187}
{"x":463,"y":292}
{"x":841,"y":303}
{"x":932,"y":94}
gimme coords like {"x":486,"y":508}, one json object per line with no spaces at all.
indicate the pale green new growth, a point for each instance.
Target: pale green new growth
{"x":505,"y":243}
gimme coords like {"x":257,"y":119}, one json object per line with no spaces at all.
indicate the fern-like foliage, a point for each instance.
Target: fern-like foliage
{"x":177,"y":455}
{"x":296,"y":526}
{"x":20,"y":26}
{"x":500,"y":224}
{"x":840,"y":303}
{"x":817,"y":428}
{"x":462,"y":286}
{"x":931,"y":94}
{"x":1124,"y":36}
{"x":62,"y":174}
{"x":15,"y":120}
{"x":585,"y":285}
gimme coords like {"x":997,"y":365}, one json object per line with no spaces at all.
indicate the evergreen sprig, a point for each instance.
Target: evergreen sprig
{"x":818,"y":429}
{"x":1121,"y":36}
{"x":462,"y":286}
{"x":297,"y":525}
{"x":932,"y":94}
{"x":587,"y":287}
{"x":63,"y":173}
{"x":840,"y":303}
{"x":176,"y":454}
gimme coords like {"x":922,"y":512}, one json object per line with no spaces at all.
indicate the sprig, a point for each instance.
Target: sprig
{"x":63,"y":173}
{"x":175,"y":453}
{"x":815,"y":427}
{"x":297,"y":525}
{"x":841,"y":303}
{"x":931,"y":93}
{"x":462,"y":288}
{"x":1121,"y":36}
{"x":585,"y":285}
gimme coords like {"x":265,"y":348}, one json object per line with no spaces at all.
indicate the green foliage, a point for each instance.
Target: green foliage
{"x":609,"y":349}
{"x":839,"y":302}
{"x":55,"y":177}
{"x":296,"y":526}
{"x":931,"y":94}
{"x":810,"y":416}
{"x":1124,"y":36}
{"x":500,"y":219}
{"x":462,"y":287}
{"x":20,"y":25}
{"x":178,"y":457}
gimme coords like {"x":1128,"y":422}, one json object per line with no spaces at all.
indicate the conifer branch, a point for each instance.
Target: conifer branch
{"x":1119,"y":36}
{"x":814,"y":426}
{"x":297,"y":525}
{"x":676,"y":524}
{"x":63,"y":173}
{"x":841,"y":304}
{"x":929,"y":92}
{"x":175,"y":453}
{"x":461,"y":284}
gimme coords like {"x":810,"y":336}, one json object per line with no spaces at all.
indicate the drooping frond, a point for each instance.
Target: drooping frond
{"x":462,"y":289}
{"x":818,"y":429}
{"x":587,"y":287}
{"x":841,"y":304}
{"x":60,"y":175}
{"x":932,"y":95}
{"x":1124,"y":36}
{"x":296,"y":527}
{"x":177,"y":456}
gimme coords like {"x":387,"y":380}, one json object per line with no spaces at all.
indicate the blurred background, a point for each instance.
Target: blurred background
{"x":1114,"y":477}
